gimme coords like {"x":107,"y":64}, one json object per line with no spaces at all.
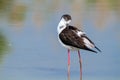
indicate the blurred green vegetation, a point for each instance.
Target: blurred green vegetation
{"x":113,"y":4}
{"x":5,"y":5}
{"x":4,"y":46}
{"x":91,"y":2}
{"x":16,"y":9}
{"x":18,"y":13}
{"x":12,"y":10}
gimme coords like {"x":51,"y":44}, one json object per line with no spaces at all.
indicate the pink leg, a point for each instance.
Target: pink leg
{"x":68,"y":64}
{"x":80,"y":61}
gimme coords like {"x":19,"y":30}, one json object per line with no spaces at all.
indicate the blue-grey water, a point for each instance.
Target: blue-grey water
{"x":37,"y":55}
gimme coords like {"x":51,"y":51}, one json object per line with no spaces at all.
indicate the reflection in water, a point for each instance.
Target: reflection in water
{"x":4,"y":46}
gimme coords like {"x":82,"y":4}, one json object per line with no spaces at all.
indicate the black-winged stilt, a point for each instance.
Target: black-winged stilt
{"x":73,"y":38}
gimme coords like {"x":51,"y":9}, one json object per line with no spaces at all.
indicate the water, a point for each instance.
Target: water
{"x":37,"y":55}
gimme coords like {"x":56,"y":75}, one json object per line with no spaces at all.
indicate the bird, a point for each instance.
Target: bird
{"x":73,"y":39}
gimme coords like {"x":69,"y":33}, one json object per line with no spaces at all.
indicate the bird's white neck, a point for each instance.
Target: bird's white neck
{"x":62,"y":25}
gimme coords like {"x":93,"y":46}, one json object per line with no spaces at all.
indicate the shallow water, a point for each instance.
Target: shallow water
{"x":37,"y":55}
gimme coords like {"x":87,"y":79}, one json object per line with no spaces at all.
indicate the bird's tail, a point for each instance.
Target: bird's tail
{"x":98,"y":49}
{"x":91,"y":50}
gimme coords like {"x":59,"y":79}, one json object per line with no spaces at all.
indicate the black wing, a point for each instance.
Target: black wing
{"x":69,"y":37}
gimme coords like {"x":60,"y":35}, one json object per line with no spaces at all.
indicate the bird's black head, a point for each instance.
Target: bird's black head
{"x":67,"y":17}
